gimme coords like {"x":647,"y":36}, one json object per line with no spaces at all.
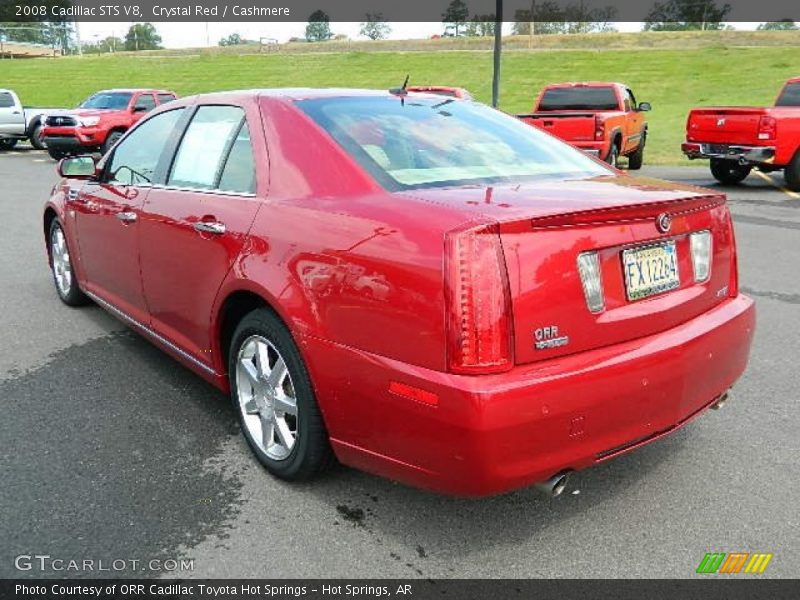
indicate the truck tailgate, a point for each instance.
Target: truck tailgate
{"x":568,"y":126}
{"x":724,"y":125}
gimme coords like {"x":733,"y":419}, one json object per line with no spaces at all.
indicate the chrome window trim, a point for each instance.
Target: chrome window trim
{"x":145,"y":329}
{"x":215,"y":191}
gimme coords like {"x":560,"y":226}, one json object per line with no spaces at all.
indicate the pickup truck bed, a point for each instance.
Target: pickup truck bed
{"x":737,"y":139}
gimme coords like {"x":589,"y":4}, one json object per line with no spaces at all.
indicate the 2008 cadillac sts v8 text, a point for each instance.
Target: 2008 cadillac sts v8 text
{"x":423,"y":287}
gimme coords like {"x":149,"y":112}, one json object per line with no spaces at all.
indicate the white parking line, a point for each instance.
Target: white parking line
{"x":773,"y":183}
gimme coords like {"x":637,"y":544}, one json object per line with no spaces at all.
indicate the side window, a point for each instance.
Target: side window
{"x":135,"y":158}
{"x":6,"y":100}
{"x":205,"y":145}
{"x":145,"y":103}
{"x":238,"y":174}
{"x":164,"y":98}
{"x":630,"y":100}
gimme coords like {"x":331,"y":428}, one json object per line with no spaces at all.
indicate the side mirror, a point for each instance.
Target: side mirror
{"x":138,"y":109}
{"x":644,"y":107}
{"x":77,"y":167}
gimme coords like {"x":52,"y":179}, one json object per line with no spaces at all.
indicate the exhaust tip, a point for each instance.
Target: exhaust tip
{"x":556,"y":485}
{"x":720,"y":402}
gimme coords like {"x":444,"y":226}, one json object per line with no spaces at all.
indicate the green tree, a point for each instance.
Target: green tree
{"x":455,"y":16}
{"x":142,"y":36}
{"x":685,"y":15}
{"x":375,"y":27}
{"x":480,"y":26}
{"x":233,"y":39}
{"x":319,"y":27}
{"x":782,"y":25}
{"x":549,"y":17}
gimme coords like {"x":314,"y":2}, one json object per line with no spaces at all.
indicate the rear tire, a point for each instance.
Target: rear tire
{"x":112,"y":139}
{"x":274,"y":399}
{"x":729,"y":172}
{"x":613,"y":155}
{"x":636,"y":160}
{"x":36,"y":139}
{"x":61,"y":267}
{"x":791,"y":174}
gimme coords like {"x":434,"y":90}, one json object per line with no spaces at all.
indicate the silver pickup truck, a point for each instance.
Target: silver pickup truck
{"x":20,"y":123}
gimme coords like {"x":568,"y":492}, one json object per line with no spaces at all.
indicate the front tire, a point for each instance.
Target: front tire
{"x":274,"y":399}
{"x":112,"y":139}
{"x":57,"y":154}
{"x":61,"y":267}
{"x":791,"y":174}
{"x":7,"y":144}
{"x":729,"y":172}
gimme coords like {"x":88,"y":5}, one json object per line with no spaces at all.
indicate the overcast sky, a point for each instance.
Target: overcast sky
{"x":192,"y":35}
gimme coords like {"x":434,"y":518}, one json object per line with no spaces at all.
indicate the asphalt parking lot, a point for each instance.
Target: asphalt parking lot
{"x":112,"y":451}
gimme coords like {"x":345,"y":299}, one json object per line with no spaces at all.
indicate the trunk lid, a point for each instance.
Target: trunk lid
{"x":545,"y":226}
{"x":725,"y":125}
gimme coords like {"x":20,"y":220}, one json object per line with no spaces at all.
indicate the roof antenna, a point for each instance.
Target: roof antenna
{"x":401,"y":91}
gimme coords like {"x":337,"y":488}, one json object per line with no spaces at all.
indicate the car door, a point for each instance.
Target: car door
{"x":12,"y":121}
{"x":634,"y":120}
{"x":194,"y":227}
{"x":106,"y":216}
{"x":142,"y":104}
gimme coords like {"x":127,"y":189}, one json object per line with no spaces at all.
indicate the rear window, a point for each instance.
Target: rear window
{"x":579,"y":98}
{"x":424,"y":142}
{"x":790,"y":96}
{"x":164,"y":98}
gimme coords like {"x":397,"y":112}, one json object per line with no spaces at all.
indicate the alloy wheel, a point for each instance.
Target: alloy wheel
{"x":62,"y":266}
{"x":267,"y":398}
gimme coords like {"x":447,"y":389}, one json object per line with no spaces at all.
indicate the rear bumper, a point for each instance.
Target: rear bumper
{"x":596,"y":149}
{"x":742,"y":154}
{"x":487,"y":435}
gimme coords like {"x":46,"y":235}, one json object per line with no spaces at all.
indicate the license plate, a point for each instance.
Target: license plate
{"x":650,"y":270}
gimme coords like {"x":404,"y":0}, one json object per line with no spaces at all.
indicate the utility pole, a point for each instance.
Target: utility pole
{"x":498,"y":46}
{"x":532,"y":24}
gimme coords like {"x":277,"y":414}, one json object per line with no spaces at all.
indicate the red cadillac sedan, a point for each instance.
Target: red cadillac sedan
{"x":425,"y":289}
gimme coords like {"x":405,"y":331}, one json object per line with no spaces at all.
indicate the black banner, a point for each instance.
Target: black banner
{"x":712,"y":588}
{"x":693,"y":11}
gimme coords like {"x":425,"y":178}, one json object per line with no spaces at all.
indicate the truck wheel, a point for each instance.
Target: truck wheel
{"x":112,"y":139}
{"x":792,"y":173}
{"x":36,"y":138}
{"x":56,"y":154}
{"x":729,"y":172}
{"x":636,"y":159}
{"x":7,"y":144}
{"x":613,"y":156}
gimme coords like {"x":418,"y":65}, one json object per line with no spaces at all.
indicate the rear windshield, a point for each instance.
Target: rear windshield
{"x":790,"y":96}
{"x":579,"y":98}
{"x":424,"y":142}
{"x":107,"y":100}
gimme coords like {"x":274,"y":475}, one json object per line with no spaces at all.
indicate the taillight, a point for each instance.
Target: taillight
{"x":733,"y":283}
{"x":599,"y":129}
{"x":700,"y":246}
{"x":766,"y":128}
{"x":479,"y":327}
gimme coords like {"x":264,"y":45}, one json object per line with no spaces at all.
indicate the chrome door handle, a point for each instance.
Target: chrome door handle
{"x":126,"y":217}
{"x":214,"y":227}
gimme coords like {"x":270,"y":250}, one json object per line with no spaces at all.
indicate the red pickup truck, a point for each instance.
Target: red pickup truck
{"x":736,"y":139}
{"x":99,"y":121}
{"x":602,"y":119}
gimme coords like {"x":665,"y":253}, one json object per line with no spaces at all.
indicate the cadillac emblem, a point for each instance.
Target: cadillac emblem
{"x":663,"y":222}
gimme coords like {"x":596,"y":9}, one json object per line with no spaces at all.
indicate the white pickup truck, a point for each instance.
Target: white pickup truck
{"x":20,"y":123}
